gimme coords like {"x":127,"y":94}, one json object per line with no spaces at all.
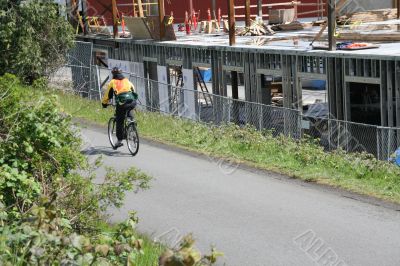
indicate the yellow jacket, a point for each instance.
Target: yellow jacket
{"x":117,"y":86}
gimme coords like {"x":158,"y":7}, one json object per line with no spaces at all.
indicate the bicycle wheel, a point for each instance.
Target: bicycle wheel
{"x":112,"y":132}
{"x":132,"y":139}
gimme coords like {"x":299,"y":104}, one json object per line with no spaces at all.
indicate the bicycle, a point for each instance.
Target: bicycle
{"x":130,"y":132}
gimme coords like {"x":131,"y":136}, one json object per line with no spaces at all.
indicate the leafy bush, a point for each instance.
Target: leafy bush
{"x":51,"y":210}
{"x":187,"y":255}
{"x":48,"y":200}
{"x":43,"y":237}
{"x":40,"y":155}
{"x":35,"y":37}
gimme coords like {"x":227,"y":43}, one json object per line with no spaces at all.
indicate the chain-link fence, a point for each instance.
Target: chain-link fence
{"x":156,"y":96}
{"x":88,"y":80}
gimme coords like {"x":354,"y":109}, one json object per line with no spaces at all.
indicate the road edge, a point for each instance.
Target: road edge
{"x":341,"y":192}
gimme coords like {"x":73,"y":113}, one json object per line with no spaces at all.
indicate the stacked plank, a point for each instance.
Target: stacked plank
{"x":257,"y":28}
{"x":295,"y":25}
{"x":368,"y":16}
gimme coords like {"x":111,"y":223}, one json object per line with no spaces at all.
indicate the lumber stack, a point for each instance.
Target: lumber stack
{"x":368,"y":16}
{"x":257,"y":28}
{"x":295,"y":25}
{"x":370,"y":37}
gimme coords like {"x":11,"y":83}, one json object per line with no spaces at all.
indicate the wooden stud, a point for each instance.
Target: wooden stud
{"x":232,"y":26}
{"x":247,"y":13}
{"x":214,"y":9}
{"x":140,"y":8}
{"x":115,"y":18}
{"x":259,"y":8}
{"x":398,"y":9}
{"x":331,"y":24}
{"x":134,"y":8}
{"x":161,"y":14}
{"x":191,"y":9}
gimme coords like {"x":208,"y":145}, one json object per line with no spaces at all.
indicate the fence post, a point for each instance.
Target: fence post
{"x":98,"y":81}
{"x":378,"y":143}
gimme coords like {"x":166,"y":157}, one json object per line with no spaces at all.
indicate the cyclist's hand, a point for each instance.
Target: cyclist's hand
{"x":104,"y":105}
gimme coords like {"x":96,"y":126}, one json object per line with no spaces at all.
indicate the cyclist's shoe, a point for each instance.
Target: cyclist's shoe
{"x":118,"y":145}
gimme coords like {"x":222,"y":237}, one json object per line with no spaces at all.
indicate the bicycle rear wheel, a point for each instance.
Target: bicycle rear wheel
{"x":132,"y":139}
{"x":112,"y":132}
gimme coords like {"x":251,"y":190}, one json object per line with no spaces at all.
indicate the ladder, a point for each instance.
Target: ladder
{"x":203,"y":86}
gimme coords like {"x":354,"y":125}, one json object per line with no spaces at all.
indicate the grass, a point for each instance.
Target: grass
{"x":304,"y":159}
{"x":150,"y":250}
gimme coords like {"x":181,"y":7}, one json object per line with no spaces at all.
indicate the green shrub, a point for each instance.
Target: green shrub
{"x":50,"y":208}
{"x":43,"y":237}
{"x":35,"y":37}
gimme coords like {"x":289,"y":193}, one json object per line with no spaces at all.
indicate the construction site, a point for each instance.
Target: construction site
{"x":329,"y":69}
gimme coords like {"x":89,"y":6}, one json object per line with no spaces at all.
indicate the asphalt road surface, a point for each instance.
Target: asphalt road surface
{"x":254,"y":217}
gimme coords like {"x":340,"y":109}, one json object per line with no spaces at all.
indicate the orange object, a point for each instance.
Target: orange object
{"x":123,"y":25}
{"x":187,"y":25}
{"x":194,"y":20}
{"x":357,"y":45}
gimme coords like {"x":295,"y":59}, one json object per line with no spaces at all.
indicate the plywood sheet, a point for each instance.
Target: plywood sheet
{"x":138,"y":28}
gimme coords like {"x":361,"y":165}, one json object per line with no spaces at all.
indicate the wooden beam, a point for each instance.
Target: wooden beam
{"x":231,"y":19}
{"x":398,"y":9}
{"x":214,"y":9}
{"x":331,"y":24}
{"x":259,"y":8}
{"x":84,"y":17}
{"x":161,"y":14}
{"x":140,"y":7}
{"x":247,"y":13}
{"x":115,"y":18}
{"x":190,"y":9}
{"x":339,"y":6}
{"x":274,"y":5}
{"x":134,"y":8}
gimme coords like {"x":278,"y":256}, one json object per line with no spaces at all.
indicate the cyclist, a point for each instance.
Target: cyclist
{"x":125,"y":99}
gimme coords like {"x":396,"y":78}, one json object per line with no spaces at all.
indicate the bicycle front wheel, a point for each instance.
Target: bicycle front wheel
{"x":112,"y":132}
{"x":132,"y":139}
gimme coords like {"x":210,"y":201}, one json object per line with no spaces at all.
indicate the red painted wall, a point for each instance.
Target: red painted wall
{"x":103,"y":7}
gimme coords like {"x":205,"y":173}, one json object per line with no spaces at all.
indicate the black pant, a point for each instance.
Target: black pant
{"x":123,"y":111}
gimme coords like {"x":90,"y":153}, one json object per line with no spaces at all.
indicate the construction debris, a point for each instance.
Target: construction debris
{"x":368,"y":16}
{"x":257,"y":28}
{"x":260,"y":41}
{"x":209,"y":27}
{"x":295,"y":25}
{"x":370,"y":36}
{"x":347,"y":46}
{"x":282,"y":16}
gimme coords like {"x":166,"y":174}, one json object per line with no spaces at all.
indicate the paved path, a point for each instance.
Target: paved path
{"x":254,"y":217}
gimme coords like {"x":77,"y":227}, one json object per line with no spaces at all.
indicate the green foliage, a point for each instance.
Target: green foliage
{"x":188,"y":255}
{"x":43,"y":237}
{"x":50,"y":207}
{"x":33,"y":38}
{"x":303,"y":159}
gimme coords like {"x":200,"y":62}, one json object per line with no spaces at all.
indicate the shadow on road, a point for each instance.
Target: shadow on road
{"x":106,"y":151}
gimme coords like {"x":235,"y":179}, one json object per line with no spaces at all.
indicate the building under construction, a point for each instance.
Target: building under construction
{"x":330,"y":60}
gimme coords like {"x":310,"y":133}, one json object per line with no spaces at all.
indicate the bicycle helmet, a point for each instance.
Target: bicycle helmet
{"x":116,"y":71}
